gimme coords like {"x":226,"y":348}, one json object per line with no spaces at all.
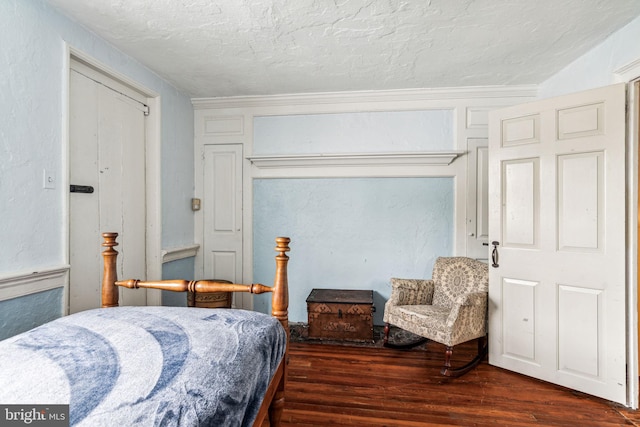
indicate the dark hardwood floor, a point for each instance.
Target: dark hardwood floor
{"x":337,"y":385}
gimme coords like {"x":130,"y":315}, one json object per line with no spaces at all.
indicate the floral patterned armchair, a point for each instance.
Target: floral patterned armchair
{"x":450,"y":308}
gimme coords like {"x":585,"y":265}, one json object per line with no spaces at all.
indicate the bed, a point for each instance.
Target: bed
{"x":156,"y":366}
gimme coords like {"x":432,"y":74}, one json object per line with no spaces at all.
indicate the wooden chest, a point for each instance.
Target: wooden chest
{"x":340,"y":314}
{"x":210,"y":299}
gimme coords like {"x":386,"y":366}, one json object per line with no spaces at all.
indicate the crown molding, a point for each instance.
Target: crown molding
{"x":468,"y":92}
{"x":437,"y":158}
{"x":627,"y":72}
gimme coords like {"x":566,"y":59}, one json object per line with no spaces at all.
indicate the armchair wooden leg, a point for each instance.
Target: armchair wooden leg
{"x":447,"y":360}
{"x":448,"y":371}
{"x":408,"y":345}
{"x":386,"y":334}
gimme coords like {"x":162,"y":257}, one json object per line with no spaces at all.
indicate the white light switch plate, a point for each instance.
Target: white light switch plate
{"x":49,"y":179}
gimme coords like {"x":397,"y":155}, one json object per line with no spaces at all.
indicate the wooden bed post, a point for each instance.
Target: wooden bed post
{"x":280,"y":294}
{"x":110,"y":275}
{"x":280,"y":310}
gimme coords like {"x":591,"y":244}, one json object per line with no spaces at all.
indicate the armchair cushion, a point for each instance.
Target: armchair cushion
{"x":425,"y":320}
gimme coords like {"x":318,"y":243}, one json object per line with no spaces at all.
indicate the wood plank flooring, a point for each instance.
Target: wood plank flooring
{"x":335,"y":385}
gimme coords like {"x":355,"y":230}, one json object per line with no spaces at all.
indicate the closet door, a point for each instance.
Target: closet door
{"x":222,"y":206}
{"x":107,"y":166}
{"x":478,"y":198}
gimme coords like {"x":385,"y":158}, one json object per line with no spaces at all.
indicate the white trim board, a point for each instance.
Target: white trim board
{"x":633,"y":134}
{"x":21,"y":284}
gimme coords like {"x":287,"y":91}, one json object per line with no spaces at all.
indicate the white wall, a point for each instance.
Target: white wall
{"x":596,"y":67}
{"x":32,"y":107}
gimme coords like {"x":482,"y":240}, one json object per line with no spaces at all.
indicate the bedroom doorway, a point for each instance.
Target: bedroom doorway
{"x":107,"y":133}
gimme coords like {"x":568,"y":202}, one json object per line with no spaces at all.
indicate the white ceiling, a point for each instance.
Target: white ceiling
{"x":211,"y":48}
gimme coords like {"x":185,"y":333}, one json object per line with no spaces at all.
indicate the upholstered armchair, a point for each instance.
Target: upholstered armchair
{"x":450,"y":308}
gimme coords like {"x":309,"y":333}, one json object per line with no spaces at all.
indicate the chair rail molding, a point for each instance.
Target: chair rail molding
{"x":175,"y":254}
{"x":21,"y":284}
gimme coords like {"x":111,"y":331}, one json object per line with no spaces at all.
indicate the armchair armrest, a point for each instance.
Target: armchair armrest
{"x":411,"y":291}
{"x":472,"y":298}
{"x":469,"y":309}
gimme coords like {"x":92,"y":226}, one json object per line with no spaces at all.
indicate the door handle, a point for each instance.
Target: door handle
{"x":81,"y":188}
{"x":494,"y":254}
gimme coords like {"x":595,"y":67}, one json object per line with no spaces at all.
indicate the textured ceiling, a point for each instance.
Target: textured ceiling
{"x":214,"y":48}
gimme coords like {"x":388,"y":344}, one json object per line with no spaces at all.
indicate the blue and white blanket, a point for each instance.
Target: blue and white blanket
{"x":146,"y":366}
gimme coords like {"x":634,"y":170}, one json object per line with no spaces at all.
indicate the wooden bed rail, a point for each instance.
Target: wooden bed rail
{"x":179,"y":285}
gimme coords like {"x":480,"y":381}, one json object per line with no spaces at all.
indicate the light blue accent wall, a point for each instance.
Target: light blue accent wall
{"x":367,"y":132}
{"x":179,"y":269}
{"x":18,"y":315}
{"x":350,"y":233}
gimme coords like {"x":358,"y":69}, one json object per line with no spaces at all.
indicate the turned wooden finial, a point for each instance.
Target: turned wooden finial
{"x":109,"y":255}
{"x":282,"y":245}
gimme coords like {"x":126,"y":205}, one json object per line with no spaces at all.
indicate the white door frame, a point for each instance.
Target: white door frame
{"x":153,"y":201}
{"x":630,"y":74}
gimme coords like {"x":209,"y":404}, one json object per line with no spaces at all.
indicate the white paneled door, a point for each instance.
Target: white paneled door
{"x":557,"y":218}
{"x":222,"y":206}
{"x":106,"y":153}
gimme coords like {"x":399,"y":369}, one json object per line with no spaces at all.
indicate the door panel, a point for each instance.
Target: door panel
{"x":520,"y":130}
{"x":521,"y":202}
{"x":518,"y":298}
{"x":222,"y":265}
{"x":580,"y":201}
{"x":577,"y":122}
{"x":579,"y":352}
{"x":557,"y":209}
